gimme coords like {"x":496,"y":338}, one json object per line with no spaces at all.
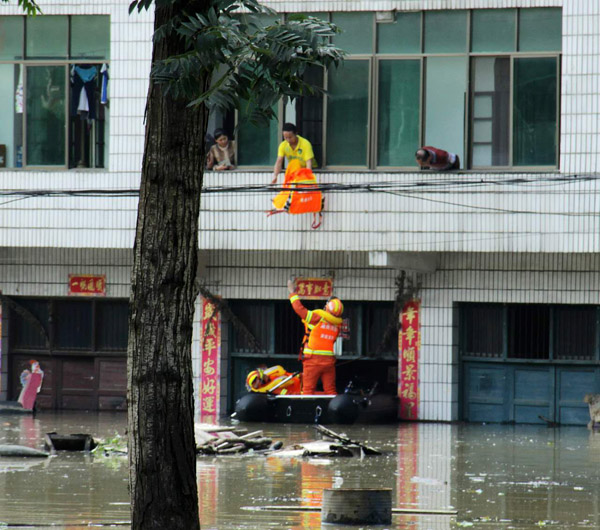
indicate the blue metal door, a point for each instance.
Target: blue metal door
{"x":527,"y":393}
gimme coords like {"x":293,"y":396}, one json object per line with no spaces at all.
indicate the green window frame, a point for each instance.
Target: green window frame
{"x":372,"y":118}
{"x":45,"y":121}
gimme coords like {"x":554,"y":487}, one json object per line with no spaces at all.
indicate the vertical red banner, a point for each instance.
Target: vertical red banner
{"x":408,"y":373}
{"x":210,"y":348}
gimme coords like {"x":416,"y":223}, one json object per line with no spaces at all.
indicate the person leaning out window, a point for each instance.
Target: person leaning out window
{"x":293,"y":147}
{"x":221,"y":156}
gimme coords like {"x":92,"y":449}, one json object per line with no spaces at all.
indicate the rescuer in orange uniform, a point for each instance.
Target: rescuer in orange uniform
{"x":322,"y":329}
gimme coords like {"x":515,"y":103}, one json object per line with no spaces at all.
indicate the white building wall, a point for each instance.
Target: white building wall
{"x":44,"y":272}
{"x":492,"y":278}
{"x":487,"y":227}
{"x":461,"y":277}
{"x":480,"y":220}
{"x":580,"y":87}
{"x":418,"y":212}
{"x":130,"y":54}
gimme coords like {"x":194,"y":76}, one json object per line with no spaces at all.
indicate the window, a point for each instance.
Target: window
{"x":53,"y":91}
{"x":482,"y":330}
{"x":530,"y":331}
{"x":25,"y":326}
{"x":279,"y":331}
{"x":112,"y":331}
{"x":73,"y":324}
{"x":482,"y":83}
{"x":526,"y":133}
{"x":575,"y":332}
{"x":70,"y":325}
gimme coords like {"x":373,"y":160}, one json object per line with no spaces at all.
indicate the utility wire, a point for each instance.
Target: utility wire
{"x":412,"y":189}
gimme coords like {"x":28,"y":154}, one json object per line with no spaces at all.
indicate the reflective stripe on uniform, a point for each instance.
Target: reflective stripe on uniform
{"x":307,"y":320}
{"x":308,"y":351}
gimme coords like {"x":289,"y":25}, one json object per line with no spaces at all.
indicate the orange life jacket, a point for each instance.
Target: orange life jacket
{"x":322,"y":335}
{"x":296,"y":197}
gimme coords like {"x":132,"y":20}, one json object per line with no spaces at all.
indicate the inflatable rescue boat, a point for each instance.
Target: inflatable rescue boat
{"x":353,"y":406}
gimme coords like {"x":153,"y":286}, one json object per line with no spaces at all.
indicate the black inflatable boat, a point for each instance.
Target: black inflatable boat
{"x":344,"y":408}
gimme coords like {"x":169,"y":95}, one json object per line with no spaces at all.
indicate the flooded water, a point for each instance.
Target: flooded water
{"x":494,"y":476}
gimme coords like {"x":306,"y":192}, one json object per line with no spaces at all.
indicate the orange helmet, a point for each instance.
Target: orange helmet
{"x":254,"y":379}
{"x":335,"y":307}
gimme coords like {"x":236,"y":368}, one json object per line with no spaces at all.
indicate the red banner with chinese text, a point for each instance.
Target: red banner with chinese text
{"x":87,"y":285}
{"x":408,"y":374}
{"x":210,"y":355}
{"x":314,"y":288}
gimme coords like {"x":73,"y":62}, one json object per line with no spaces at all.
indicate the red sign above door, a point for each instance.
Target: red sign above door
{"x":87,"y":285}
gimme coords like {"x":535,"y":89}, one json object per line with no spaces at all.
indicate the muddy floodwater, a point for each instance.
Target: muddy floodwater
{"x":493,"y":476}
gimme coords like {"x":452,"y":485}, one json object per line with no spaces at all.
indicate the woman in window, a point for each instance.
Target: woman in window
{"x":221,"y":155}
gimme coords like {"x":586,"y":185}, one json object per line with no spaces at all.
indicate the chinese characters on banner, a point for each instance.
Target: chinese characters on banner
{"x":314,"y":288}
{"x":210,"y":354}
{"x":87,"y":285}
{"x":408,"y":374}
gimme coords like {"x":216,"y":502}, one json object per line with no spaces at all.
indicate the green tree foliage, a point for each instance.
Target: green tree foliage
{"x":249,"y":61}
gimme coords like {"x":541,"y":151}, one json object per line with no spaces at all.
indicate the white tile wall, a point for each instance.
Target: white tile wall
{"x":488,"y":249}
{"x":131,"y":46}
{"x":580,"y":118}
{"x":431,"y":212}
{"x":45,"y":271}
{"x":500,"y":278}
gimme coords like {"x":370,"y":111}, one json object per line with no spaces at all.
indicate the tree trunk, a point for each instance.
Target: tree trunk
{"x":162,"y":459}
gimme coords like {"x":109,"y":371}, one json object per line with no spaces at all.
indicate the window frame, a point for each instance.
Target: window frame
{"x":26,"y":65}
{"x":51,"y":325}
{"x":469,"y":137}
{"x":358,"y":330}
{"x":24,"y":62}
{"x":504,"y":356}
{"x":375,"y":112}
{"x":376,"y":57}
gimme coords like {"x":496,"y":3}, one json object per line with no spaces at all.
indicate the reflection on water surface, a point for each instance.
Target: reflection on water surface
{"x":495,"y":476}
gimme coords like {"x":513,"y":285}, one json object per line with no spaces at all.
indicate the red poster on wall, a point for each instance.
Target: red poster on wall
{"x":210,"y":355}
{"x":408,"y":373}
{"x":314,"y":288}
{"x":87,"y":285}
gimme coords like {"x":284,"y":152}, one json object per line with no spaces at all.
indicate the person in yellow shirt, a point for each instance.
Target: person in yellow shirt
{"x":293,"y":147}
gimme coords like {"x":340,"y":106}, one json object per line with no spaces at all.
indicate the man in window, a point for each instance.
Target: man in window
{"x":293,"y":147}
{"x":322,"y":329}
{"x":432,"y":158}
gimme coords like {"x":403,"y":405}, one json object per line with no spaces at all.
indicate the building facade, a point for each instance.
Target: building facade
{"x":502,"y":256}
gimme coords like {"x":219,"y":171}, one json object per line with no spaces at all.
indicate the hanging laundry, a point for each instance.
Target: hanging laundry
{"x":19,"y":92}
{"x":83,"y":85}
{"x":104,"y":91}
{"x":297,"y":197}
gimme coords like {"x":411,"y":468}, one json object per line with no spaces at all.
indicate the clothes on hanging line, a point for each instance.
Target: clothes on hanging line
{"x":83,"y":86}
{"x":104,"y":90}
